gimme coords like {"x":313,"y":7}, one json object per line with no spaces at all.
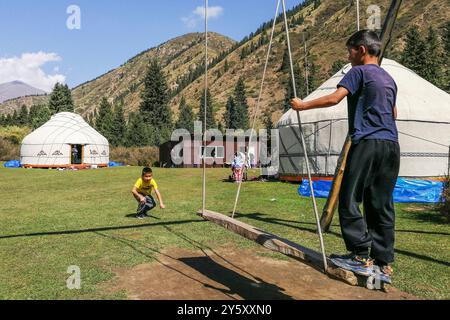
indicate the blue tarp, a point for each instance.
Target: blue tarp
{"x":12,"y":164}
{"x":115,"y":164}
{"x":406,"y":190}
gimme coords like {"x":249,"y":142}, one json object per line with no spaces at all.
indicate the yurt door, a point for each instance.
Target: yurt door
{"x":76,"y":153}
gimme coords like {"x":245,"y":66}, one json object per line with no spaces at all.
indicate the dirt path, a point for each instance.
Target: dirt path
{"x":228,"y":273}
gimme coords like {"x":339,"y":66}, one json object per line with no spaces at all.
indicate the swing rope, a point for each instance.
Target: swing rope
{"x":257,"y":106}
{"x":305,"y":152}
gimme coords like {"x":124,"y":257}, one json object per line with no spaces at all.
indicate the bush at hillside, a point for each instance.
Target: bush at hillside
{"x":14,"y":134}
{"x":137,"y":156}
{"x":8,"y":150}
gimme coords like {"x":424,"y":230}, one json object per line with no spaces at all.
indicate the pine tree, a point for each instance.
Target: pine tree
{"x":226,"y":66}
{"x":39,"y":114}
{"x":229,"y":116}
{"x":43,"y":115}
{"x":313,"y":70}
{"x":210,"y":118}
{"x":15,"y":118}
{"x":337,"y":65}
{"x":186,"y":117}
{"x":300,"y":85}
{"x":104,"y":120}
{"x":446,"y":43}
{"x":61,"y":99}
{"x":414,"y":53}
{"x":316,"y":3}
{"x":433,"y":60}
{"x":155,"y":103}
{"x":119,"y":126}
{"x":241,"y":106}
{"x":138,"y":132}
{"x":446,"y":38}
{"x":23,"y":118}
{"x":8,"y":120}
{"x":268,"y":124}
{"x":285,"y":64}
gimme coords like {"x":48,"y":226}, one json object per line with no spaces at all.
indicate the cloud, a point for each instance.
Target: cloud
{"x":198,"y":15}
{"x":28,"y":68}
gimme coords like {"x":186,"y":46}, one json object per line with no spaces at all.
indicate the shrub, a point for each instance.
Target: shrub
{"x":8,"y":150}
{"x":136,"y":156}
{"x":14,"y":134}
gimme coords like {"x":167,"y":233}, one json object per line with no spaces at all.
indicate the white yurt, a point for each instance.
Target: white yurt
{"x":423,"y":123}
{"x":66,"y":140}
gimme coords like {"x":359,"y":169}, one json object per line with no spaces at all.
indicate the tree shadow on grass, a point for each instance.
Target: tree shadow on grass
{"x":294,"y":224}
{"x":99,"y":229}
{"x":236,"y":283}
{"x":425,"y":213}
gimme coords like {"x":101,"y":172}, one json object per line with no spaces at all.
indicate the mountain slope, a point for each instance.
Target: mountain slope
{"x":125,"y":82}
{"x":16,"y":89}
{"x":327,"y":25}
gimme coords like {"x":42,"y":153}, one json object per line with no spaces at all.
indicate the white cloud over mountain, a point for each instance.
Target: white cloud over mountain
{"x":28,"y":68}
{"x":198,"y":15}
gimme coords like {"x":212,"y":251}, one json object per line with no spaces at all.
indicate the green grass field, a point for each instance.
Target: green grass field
{"x":50,"y":220}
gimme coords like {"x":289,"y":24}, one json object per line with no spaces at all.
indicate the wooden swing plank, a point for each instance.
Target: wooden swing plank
{"x":278,"y":244}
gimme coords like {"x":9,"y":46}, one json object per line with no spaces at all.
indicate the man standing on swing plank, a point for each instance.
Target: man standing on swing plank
{"x":374,"y":158}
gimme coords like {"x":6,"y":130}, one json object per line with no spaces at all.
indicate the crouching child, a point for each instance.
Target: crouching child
{"x":142,"y":192}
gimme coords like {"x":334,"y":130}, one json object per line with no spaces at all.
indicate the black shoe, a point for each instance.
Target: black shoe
{"x":140,"y":216}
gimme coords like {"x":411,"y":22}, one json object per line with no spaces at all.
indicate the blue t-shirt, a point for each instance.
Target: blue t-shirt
{"x":373,"y":95}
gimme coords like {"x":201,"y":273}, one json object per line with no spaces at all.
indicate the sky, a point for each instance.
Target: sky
{"x":49,"y":41}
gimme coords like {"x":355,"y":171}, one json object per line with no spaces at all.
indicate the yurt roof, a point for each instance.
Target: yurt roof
{"x":66,"y":128}
{"x":417,"y":100}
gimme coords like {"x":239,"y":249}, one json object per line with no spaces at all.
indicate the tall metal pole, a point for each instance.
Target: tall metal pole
{"x":305,"y":152}
{"x":306,"y":65}
{"x":357,"y":14}
{"x":203,"y":152}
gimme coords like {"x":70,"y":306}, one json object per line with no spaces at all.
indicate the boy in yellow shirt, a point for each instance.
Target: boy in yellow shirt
{"x":142,"y":192}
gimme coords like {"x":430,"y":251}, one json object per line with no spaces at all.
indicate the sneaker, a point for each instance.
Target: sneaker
{"x":384,"y":273}
{"x":140,"y":216}
{"x":354,"y":262}
{"x":387,"y":270}
{"x":140,"y":208}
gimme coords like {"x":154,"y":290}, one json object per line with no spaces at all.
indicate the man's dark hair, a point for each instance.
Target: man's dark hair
{"x":368,"y":39}
{"x":146,"y":170}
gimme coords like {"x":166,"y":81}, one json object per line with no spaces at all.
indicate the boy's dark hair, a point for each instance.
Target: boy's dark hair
{"x":147,"y":170}
{"x":368,"y":39}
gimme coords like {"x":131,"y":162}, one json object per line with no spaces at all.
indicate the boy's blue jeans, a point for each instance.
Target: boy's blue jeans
{"x":149,"y":204}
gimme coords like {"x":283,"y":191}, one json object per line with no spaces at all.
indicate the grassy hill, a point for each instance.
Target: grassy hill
{"x":327,"y":26}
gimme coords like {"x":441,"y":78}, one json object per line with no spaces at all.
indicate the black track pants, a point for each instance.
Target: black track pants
{"x":370,"y":176}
